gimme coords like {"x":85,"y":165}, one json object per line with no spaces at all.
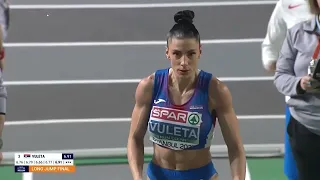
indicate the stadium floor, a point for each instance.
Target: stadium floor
{"x":260,"y":169}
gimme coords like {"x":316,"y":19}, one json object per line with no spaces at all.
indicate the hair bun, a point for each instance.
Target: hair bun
{"x":185,"y":16}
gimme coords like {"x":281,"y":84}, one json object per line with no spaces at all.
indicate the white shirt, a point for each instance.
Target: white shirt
{"x":3,"y":18}
{"x":286,"y":14}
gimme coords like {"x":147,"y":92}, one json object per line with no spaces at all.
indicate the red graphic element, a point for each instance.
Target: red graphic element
{"x":294,"y":6}
{"x":169,"y":114}
{"x":26,"y":155}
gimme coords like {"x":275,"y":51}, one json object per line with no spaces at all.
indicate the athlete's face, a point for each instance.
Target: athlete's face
{"x":184,"y":55}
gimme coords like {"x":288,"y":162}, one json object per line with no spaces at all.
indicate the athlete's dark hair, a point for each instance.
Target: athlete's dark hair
{"x":184,"y":27}
{"x":314,"y":7}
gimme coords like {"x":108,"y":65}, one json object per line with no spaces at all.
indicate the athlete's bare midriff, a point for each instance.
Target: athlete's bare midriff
{"x":180,"y":159}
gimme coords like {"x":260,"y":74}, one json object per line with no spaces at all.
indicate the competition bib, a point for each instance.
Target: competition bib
{"x":174,"y":129}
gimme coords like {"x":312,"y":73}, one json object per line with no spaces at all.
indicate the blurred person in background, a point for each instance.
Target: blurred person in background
{"x":4,"y":23}
{"x":179,"y":106}
{"x":293,"y":78}
{"x":286,"y":14}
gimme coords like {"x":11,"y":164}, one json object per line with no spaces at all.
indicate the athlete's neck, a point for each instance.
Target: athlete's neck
{"x":183,"y":84}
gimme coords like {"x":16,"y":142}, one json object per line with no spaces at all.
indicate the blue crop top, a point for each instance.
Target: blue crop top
{"x":180,"y":127}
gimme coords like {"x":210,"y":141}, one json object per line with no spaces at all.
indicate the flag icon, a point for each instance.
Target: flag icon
{"x":26,"y":155}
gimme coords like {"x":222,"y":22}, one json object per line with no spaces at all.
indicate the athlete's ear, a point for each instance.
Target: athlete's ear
{"x":167,"y":53}
{"x":200,"y":50}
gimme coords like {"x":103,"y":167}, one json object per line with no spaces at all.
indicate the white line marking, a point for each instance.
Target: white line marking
{"x":145,"y":5}
{"x":248,"y":175}
{"x":27,"y":176}
{"x":261,"y":117}
{"x":126,"y":43}
{"x":117,"y":81}
{"x":61,"y":82}
{"x":68,"y":121}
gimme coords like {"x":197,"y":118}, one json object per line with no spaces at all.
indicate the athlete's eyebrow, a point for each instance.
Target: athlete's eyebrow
{"x":176,"y":50}
{"x":191,"y":50}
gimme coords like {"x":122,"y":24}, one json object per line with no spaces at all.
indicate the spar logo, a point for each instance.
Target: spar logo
{"x":174,"y":115}
{"x":169,"y":114}
{"x":194,"y":119}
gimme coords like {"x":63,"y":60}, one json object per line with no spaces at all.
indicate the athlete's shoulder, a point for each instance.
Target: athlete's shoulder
{"x":147,"y":82}
{"x":219,"y":92}
{"x":217,"y":86}
{"x":143,"y":94}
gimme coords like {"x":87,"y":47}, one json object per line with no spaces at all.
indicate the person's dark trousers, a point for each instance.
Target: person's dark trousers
{"x":305,"y":147}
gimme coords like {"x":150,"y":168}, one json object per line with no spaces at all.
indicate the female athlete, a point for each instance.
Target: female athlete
{"x":179,"y":107}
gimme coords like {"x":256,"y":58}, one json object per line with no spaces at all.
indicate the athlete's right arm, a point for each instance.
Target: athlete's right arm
{"x":276,"y":33}
{"x":138,"y":128}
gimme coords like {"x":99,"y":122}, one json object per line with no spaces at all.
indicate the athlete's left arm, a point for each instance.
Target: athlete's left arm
{"x":221,"y":101}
